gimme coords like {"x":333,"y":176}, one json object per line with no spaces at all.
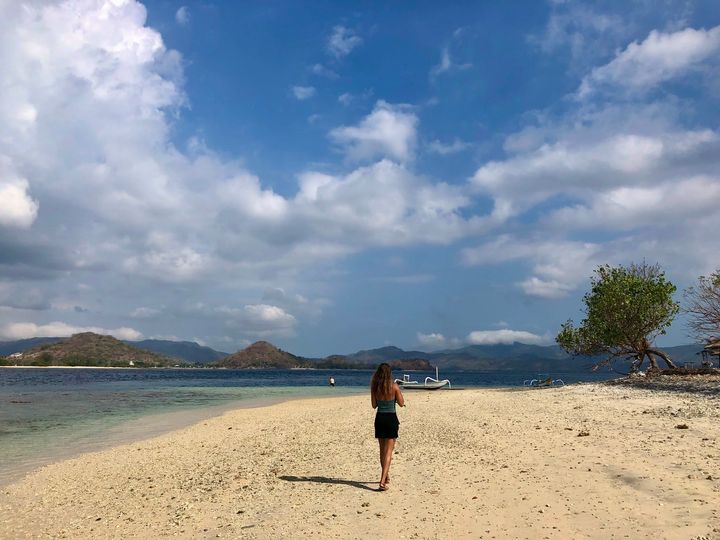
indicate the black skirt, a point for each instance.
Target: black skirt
{"x":386,"y":425}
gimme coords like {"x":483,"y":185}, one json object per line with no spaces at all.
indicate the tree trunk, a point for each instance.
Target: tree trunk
{"x":664,"y":356}
{"x":653,"y":361}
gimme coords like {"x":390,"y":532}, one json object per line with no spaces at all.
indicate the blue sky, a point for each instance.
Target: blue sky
{"x":335,"y":176}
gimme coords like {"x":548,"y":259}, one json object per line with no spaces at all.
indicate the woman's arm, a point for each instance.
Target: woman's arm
{"x":373,"y":401}
{"x":399,"y":396}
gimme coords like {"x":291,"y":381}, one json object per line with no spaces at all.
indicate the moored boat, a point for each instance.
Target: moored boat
{"x":430,"y":384}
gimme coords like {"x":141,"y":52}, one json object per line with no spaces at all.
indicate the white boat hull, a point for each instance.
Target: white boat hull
{"x":430,"y":384}
{"x":414,"y":385}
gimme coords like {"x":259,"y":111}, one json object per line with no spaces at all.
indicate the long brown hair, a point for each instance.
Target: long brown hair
{"x":382,"y":381}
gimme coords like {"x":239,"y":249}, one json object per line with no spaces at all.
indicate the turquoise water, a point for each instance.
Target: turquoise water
{"x":43,"y":421}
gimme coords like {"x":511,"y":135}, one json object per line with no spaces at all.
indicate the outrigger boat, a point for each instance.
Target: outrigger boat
{"x":430,"y":384}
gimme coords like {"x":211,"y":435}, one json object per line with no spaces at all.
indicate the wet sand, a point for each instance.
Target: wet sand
{"x":586,"y":461}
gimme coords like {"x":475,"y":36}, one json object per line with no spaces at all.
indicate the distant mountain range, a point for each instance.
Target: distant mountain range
{"x":10,"y":347}
{"x":188,"y":351}
{"x":185,"y":351}
{"x":266,"y":355}
{"x":90,"y":349}
{"x":508,"y":357}
{"x":512,"y":357}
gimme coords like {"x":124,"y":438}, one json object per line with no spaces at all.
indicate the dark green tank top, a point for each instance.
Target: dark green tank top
{"x":386,"y":405}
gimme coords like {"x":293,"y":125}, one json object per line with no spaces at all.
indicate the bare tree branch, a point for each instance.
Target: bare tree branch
{"x":703,"y":306}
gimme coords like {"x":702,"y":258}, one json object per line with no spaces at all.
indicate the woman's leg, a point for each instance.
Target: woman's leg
{"x":386,"y":459}
{"x":382,"y":443}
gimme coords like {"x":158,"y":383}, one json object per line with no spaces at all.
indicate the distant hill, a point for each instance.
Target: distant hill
{"x":336,"y":361}
{"x":188,"y":351}
{"x":339,"y":361}
{"x":90,"y":349}
{"x":262,"y":355}
{"x":411,"y":364}
{"x":384,"y":354}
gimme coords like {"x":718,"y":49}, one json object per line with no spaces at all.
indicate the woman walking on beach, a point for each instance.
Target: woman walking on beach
{"x":384,"y":393}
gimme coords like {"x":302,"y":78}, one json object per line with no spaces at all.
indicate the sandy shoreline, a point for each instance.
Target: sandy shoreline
{"x":471,"y":464}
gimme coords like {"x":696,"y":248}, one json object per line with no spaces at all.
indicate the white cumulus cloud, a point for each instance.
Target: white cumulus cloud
{"x":17,"y":208}
{"x":631,"y":207}
{"x":594,"y":162}
{"x":388,"y":131}
{"x":433,"y":340}
{"x":269,"y":314}
{"x":504,"y":336}
{"x":382,"y":204}
{"x":342,"y":41}
{"x":559,"y":266}
{"x":262,"y":320}
{"x":24,"y":330}
{"x":658,"y":58}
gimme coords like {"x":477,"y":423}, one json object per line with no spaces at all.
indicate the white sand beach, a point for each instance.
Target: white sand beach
{"x":585,"y":461}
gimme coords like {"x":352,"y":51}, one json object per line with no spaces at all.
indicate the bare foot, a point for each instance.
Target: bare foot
{"x":382,"y":487}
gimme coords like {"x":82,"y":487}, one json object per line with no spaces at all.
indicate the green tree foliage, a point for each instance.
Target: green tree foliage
{"x":703,"y":306}
{"x":626,"y":309}
{"x":45,"y":359}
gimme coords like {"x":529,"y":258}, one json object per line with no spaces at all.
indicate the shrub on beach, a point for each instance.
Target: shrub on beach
{"x":626,"y":309}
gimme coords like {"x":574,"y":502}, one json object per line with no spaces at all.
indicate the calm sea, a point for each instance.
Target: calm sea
{"x":50,"y":414}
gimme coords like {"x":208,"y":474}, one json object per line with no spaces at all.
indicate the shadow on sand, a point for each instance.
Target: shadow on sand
{"x":326,"y":480}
